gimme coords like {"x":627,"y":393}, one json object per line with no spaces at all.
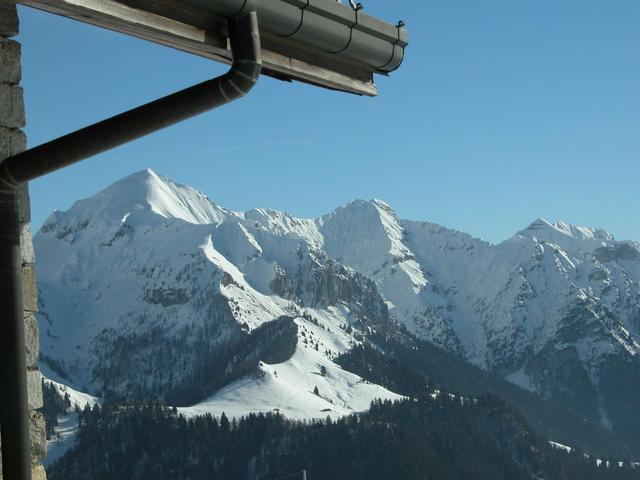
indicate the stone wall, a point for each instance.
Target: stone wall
{"x":12,"y":141}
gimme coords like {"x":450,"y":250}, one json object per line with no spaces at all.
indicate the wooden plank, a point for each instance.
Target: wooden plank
{"x":189,"y":34}
{"x":308,"y":73}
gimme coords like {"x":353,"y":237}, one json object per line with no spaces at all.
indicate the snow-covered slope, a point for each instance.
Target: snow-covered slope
{"x":148,"y":289}
{"x":65,"y":433}
{"x":290,"y":387}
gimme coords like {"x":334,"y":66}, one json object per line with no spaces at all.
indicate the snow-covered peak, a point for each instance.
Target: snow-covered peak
{"x":142,"y":197}
{"x":562,"y":232}
{"x":368,"y":237}
{"x":538,"y":224}
{"x":173,"y":200}
{"x":364,"y":234}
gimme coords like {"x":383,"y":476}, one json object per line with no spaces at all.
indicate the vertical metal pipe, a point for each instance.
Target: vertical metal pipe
{"x":14,"y":414}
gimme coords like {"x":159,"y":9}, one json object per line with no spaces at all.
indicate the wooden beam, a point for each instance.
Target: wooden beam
{"x":205,"y":35}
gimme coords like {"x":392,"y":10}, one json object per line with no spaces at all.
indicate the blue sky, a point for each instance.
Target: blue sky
{"x":502,"y":112}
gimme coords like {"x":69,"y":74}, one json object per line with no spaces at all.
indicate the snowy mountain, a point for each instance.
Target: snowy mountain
{"x":151,"y":291}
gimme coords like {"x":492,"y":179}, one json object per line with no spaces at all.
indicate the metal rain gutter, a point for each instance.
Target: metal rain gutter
{"x":64,"y":151}
{"x":327,"y":26}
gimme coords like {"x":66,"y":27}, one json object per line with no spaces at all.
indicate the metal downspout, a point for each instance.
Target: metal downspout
{"x":151,"y":117}
{"x":14,"y":410}
{"x":115,"y":131}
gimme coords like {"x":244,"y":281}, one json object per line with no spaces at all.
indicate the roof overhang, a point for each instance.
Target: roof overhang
{"x":321,"y":42}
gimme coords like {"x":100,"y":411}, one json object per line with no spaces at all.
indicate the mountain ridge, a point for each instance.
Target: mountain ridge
{"x":147,"y":175}
{"x":554,"y":309}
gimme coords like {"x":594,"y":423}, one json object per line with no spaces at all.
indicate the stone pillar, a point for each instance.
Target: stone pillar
{"x":12,"y":141}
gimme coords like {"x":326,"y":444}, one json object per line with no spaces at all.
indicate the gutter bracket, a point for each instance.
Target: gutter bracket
{"x":288,"y":35}
{"x":399,"y":26}
{"x":351,"y":27}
